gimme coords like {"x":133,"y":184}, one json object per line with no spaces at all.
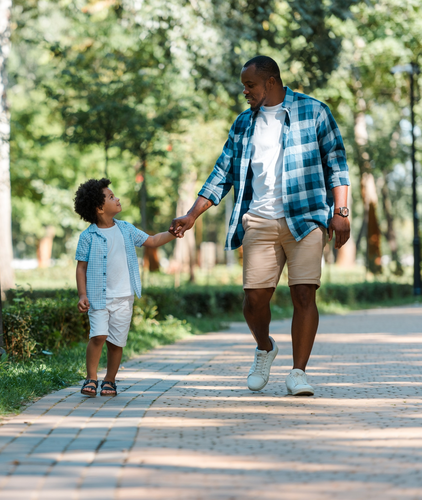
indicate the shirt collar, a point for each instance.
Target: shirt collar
{"x":286,"y":104}
{"x":93,"y":228}
{"x":288,"y":99}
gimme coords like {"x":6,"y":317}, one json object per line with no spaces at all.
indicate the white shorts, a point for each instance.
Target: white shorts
{"x":113,"y":321}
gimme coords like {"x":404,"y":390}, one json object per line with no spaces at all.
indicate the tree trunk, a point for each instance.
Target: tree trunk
{"x":368,"y":189}
{"x":370,"y":198}
{"x":185,"y":248}
{"x":390,"y":234}
{"x":6,"y":251}
{"x":45,"y":247}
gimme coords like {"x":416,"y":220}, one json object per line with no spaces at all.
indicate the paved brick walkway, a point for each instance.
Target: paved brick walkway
{"x":184,"y":425}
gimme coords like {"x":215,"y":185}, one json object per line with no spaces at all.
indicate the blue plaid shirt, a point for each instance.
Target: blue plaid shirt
{"x":92,"y":248}
{"x":314,"y":163}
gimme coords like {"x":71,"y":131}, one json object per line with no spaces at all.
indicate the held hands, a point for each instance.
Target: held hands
{"x":180,"y":225}
{"x":341,"y":226}
{"x":83,"y":304}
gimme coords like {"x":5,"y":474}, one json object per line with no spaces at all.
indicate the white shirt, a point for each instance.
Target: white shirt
{"x":118,"y":278}
{"x":267,"y":163}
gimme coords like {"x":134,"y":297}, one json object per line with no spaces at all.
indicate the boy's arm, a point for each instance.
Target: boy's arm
{"x":83,"y":304}
{"x":158,"y":240}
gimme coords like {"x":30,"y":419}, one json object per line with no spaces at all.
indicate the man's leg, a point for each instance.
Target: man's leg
{"x":257,"y":312}
{"x":304,"y":323}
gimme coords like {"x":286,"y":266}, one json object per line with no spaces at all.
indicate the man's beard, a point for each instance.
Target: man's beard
{"x":260,"y":103}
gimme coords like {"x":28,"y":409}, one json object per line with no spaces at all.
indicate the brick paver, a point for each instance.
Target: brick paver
{"x":184,"y":426}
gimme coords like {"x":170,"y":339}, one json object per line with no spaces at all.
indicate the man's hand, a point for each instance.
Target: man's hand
{"x":341,"y":226}
{"x":83,"y":304}
{"x":180,"y":225}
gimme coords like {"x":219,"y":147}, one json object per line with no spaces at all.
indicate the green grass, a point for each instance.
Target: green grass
{"x":23,"y":382}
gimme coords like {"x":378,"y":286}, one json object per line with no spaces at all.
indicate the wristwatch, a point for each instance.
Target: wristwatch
{"x":343,"y":211}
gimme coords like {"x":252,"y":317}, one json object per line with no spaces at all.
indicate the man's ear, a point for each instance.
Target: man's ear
{"x":271,"y":81}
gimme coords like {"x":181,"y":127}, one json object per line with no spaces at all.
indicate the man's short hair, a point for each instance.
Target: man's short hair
{"x":265,"y":66}
{"x":89,"y":197}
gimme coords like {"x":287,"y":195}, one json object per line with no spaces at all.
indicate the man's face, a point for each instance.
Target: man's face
{"x":111,"y":205}
{"x":255,"y":89}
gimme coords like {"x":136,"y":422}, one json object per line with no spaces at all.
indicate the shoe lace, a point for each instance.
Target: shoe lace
{"x":260,"y":362}
{"x":300,"y":379}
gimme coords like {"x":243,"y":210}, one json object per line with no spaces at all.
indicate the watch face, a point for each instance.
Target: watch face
{"x":344,"y":211}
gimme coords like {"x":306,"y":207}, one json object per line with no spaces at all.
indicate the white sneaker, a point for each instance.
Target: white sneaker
{"x":261,"y":366}
{"x":297,"y":384}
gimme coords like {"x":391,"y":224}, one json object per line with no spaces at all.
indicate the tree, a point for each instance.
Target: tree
{"x":6,"y":251}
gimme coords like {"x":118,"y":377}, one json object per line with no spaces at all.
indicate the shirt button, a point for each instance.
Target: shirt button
{"x":103,"y":289}
{"x":104,"y":274}
{"x":104,"y":256}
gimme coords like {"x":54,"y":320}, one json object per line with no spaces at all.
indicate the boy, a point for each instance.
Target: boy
{"x":107,"y":276}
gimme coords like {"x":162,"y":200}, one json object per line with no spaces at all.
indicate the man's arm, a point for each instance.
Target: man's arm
{"x":340,"y":225}
{"x":182,"y":224}
{"x":83,"y":304}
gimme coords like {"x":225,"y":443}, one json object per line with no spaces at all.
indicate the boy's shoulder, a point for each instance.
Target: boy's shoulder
{"x":124,"y":224}
{"x":86,"y":234}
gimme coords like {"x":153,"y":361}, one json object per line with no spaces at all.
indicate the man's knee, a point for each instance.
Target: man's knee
{"x":256,"y":299}
{"x":303,"y":296}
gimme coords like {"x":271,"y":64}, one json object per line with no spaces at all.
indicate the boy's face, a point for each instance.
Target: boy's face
{"x":111,"y":205}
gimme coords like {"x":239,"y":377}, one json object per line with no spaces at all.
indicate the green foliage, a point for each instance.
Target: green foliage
{"x":44,"y":324}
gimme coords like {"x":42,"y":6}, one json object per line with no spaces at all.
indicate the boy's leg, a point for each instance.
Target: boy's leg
{"x":119,"y":324}
{"x":93,"y":354}
{"x":114,"y":356}
{"x":98,"y":322}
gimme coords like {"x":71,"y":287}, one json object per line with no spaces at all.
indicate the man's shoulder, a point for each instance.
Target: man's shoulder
{"x":302,"y":100}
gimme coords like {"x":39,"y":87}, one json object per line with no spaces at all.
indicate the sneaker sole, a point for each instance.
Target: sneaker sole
{"x":301,"y":392}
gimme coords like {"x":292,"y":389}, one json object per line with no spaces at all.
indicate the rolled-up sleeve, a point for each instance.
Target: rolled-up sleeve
{"x":220,"y":180}
{"x":333,"y":154}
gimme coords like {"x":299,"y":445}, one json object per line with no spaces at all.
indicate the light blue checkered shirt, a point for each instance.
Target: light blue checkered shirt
{"x":92,"y":248}
{"x":314,"y":163}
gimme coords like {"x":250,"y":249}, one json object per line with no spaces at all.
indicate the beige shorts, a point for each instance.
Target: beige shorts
{"x":268,"y":244}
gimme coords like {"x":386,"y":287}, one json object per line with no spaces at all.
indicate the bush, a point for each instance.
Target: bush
{"x":44,"y":324}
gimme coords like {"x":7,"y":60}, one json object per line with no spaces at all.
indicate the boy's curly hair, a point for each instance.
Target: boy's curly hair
{"x":89,"y":197}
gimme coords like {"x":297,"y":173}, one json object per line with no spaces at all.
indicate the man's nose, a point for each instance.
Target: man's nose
{"x":245,"y":91}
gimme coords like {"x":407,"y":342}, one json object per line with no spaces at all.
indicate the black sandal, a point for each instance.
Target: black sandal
{"x":113,"y":387}
{"x":91,"y":393}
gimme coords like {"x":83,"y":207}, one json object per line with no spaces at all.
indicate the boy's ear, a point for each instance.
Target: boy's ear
{"x":99,"y":210}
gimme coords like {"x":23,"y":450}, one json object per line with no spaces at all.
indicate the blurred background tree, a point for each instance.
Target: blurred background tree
{"x":146,"y":90}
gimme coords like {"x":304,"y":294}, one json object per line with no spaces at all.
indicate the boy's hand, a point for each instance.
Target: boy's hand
{"x":83,"y":304}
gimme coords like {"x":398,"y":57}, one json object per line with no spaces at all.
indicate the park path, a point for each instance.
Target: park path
{"x":185,"y":427}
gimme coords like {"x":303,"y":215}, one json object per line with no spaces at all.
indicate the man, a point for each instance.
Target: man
{"x":285,"y":159}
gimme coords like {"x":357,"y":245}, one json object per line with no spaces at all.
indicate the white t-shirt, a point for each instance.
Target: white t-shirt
{"x":267,"y":163}
{"x":118,"y":278}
